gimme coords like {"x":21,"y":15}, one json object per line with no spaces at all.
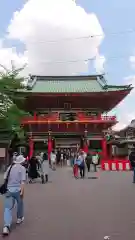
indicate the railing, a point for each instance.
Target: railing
{"x":79,"y":118}
{"x":109,"y":118}
{"x":83,"y":117}
{"x":49,"y":117}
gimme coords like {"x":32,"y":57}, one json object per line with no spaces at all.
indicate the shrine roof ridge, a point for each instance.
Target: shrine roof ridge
{"x":67,"y":77}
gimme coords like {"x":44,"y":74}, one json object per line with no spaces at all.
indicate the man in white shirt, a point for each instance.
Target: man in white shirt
{"x":15,"y":192}
{"x":53,"y":160}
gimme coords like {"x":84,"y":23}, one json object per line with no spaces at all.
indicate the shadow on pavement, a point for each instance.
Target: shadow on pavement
{"x":92,"y":177}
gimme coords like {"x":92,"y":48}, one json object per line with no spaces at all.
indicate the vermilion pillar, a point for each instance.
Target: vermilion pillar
{"x":104,"y":149}
{"x":35,"y":116}
{"x":49,"y":145}
{"x":85,"y":146}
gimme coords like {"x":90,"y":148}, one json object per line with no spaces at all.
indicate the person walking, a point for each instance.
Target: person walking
{"x":33,"y":169}
{"x":58,"y":155}
{"x":132,"y":162}
{"x":44,"y":168}
{"x":75,"y":166}
{"x":53,"y":160}
{"x":81,"y":164}
{"x":62,"y":158}
{"x":16,"y":174}
{"x":95,"y":161}
{"x":88,"y":161}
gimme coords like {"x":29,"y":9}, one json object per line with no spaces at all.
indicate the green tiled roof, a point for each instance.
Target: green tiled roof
{"x":67,"y":86}
{"x":83,"y":84}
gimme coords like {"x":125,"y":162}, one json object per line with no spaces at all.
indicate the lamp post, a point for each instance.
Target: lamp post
{"x":85,"y":147}
{"x":49,"y":144}
{"x":85,"y":133}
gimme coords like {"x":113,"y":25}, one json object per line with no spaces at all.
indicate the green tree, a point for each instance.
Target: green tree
{"x":10,"y":85}
{"x":13,"y":119}
{"x":11,"y":98}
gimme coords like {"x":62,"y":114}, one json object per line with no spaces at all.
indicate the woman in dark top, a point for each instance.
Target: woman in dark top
{"x":88,"y":161}
{"x":33,"y":169}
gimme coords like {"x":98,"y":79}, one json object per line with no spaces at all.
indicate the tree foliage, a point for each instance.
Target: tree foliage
{"x":11,"y":86}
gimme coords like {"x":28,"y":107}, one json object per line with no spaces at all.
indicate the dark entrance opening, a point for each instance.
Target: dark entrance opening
{"x":40,"y":146}
{"x":95,"y":145}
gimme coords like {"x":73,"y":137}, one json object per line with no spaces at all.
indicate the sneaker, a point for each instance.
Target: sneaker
{"x":20,"y":220}
{"x":6,"y":231}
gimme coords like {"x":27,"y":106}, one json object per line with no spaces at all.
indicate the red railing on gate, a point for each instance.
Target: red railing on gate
{"x":81,"y":117}
{"x":116,"y":165}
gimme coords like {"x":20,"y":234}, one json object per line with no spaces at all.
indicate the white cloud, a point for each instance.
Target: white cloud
{"x":132,"y":61}
{"x":58,"y":21}
{"x":124,"y":121}
{"x":9,"y":56}
{"x":99,"y":64}
{"x":125,"y":110}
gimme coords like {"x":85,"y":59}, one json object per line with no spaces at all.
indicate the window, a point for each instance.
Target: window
{"x":67,"y":116}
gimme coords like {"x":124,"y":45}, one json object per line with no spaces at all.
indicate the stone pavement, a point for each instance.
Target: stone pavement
{"x":69,"y":209}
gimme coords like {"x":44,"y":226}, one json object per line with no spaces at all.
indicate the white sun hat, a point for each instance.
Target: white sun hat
{"x":19,"y":159}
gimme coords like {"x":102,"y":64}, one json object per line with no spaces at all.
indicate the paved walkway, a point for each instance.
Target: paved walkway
{"x":69,"y":209}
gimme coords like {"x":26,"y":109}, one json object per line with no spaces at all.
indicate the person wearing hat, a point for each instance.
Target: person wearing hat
{"x":15,"y":192}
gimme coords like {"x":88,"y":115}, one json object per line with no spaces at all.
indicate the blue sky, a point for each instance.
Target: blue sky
{"x":114,"y":16}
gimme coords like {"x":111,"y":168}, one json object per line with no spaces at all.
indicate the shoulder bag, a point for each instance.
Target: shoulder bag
{"x":3,"y":187}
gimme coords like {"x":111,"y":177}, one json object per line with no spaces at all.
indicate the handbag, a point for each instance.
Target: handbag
{"x":3,"y":187}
